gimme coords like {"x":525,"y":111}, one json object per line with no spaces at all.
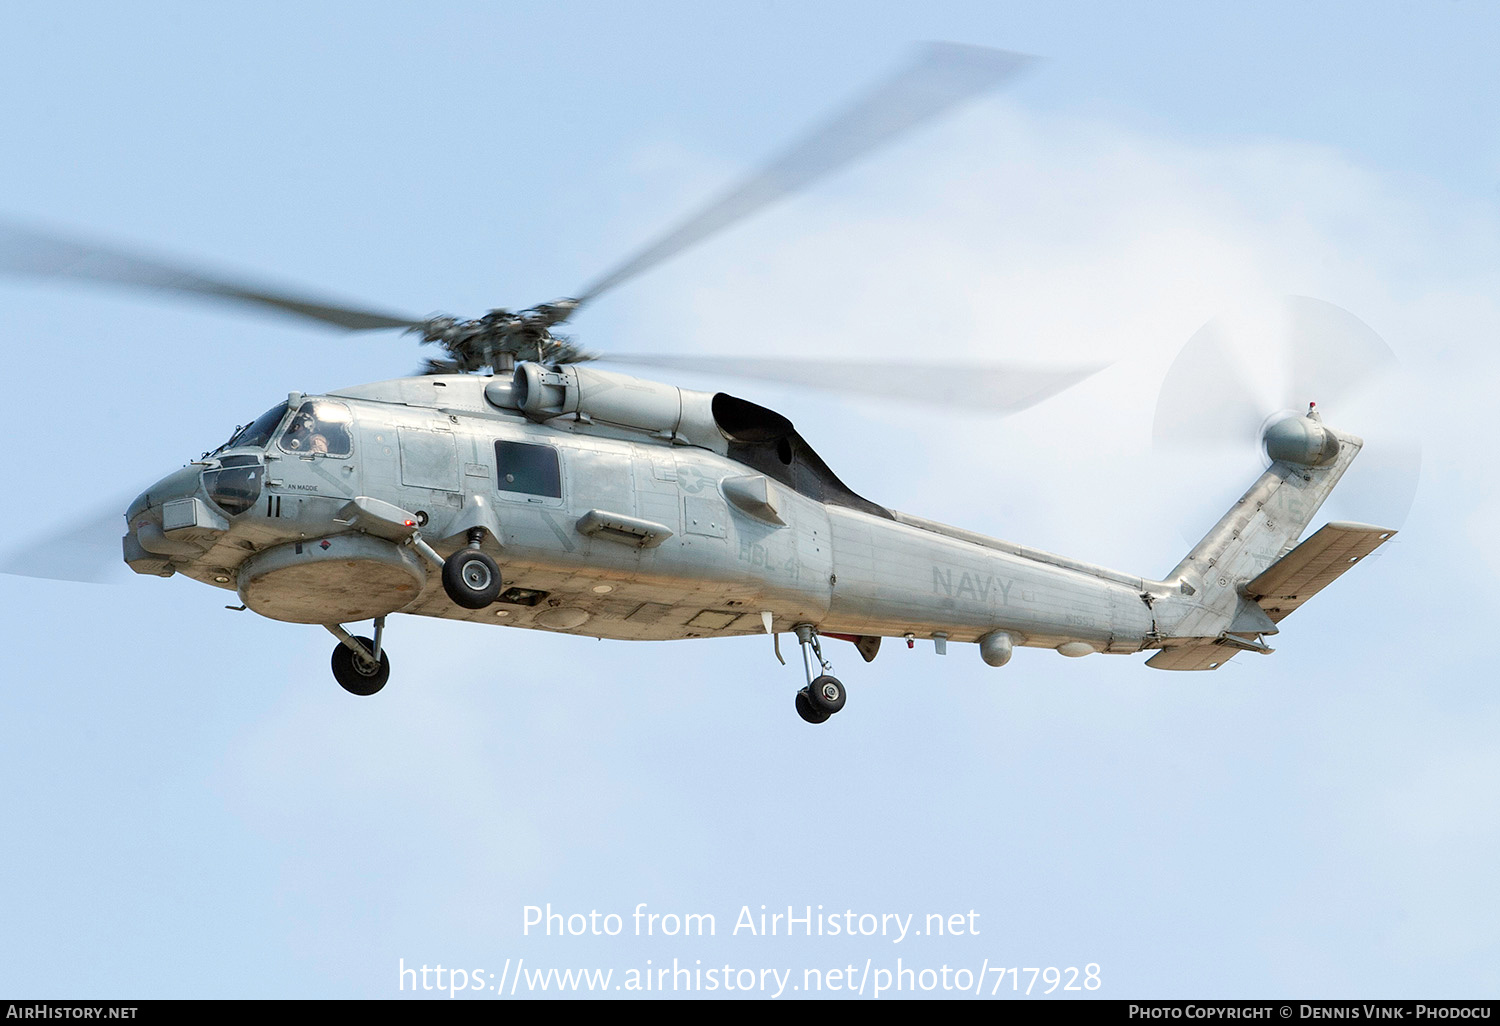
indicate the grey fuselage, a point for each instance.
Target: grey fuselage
{"x":676,"y":514}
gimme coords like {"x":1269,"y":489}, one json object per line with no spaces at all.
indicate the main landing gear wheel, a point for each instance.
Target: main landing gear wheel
{"x":471,"y":578}
{"x":356,"y":674}
{"x":807,"y":711}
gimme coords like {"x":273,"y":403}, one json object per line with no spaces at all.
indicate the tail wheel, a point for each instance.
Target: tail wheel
{"x":827,"y":694}
{"x":807,"y":710}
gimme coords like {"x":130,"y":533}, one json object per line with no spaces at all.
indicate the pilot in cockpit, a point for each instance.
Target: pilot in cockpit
{"x":303,"y":434}
{"x":318,"y":429}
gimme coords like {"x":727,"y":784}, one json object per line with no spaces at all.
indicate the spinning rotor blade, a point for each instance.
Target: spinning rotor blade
{"x":45,"y":255}
{"x":943,"y":76}
{"x":988,"y":388}
{"x":1241,"y":371}
{"x":87,"y":551}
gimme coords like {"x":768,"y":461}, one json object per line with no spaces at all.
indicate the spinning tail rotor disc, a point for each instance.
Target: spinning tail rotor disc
{"x":1244,"y":371}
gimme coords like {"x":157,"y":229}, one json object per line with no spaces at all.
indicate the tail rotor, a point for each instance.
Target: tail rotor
{"x":1254,"y":384}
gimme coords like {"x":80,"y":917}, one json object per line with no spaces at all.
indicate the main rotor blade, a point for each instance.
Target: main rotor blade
{"x":942,"y":77}
{"x":984,"y":387}
{"x":25,"y":251}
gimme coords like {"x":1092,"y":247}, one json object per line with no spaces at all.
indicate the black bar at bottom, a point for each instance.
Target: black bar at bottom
{"x":1040,"y":1009}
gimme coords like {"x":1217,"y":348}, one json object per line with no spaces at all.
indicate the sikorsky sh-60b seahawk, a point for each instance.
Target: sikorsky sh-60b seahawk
{"x":514,"y":483}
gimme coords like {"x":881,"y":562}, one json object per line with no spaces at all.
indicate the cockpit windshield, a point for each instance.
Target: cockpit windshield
{"x":319,"y":428}
{"x":258,"y":432}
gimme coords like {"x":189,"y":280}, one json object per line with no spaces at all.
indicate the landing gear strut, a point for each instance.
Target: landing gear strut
{"x":824,"y":694}
{"x":359,"y":665}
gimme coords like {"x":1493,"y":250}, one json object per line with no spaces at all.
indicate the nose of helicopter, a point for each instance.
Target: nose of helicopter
{"x":167,"y":506}
{"x":181,"y":483}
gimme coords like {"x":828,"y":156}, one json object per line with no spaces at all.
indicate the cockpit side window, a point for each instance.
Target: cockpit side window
{"x":318,"y":428}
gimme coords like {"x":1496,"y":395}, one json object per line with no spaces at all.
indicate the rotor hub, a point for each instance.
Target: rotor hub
{"x":502,"y":338}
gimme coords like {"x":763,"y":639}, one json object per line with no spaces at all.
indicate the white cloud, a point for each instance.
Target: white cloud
{"x":1010,"y":236}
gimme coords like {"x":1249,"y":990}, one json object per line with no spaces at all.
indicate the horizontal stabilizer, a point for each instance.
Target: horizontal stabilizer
{"x":1313,"y":565}
{"x":1207,"y":656}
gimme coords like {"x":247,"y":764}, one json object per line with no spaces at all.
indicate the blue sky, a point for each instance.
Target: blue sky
{"x":193,"y":808}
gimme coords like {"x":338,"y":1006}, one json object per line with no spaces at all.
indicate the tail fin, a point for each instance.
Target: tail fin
{"x":1267,"y":520}
{"x":1219,"y":615}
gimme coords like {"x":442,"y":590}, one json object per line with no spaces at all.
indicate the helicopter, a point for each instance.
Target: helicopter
{"x":513,"y":482}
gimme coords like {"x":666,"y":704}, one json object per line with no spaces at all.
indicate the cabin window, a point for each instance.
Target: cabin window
{"x":532,"y":469}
